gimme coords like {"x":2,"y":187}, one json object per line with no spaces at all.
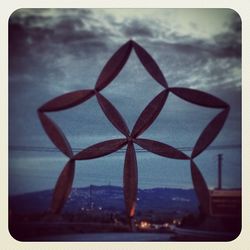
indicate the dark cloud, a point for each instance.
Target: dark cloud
{"x":38,"y":17}
{"x":78,"y":31}
{"x":135,"y":28}
{"x":35,"y":32}
{"x":229,"y":43}
{"x":73,"y":37}
{"x":32,"y":20}
{"x":224,"y":45}
{"x":44,"y":49}
{"x":68,"y":25}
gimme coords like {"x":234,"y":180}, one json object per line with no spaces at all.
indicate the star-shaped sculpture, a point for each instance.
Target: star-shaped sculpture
{"x":145,"y":119}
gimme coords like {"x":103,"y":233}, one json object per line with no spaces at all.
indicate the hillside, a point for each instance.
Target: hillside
{"x":109,"y":198}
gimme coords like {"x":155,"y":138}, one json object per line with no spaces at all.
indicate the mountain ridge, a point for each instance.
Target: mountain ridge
{"x":108,"y":198}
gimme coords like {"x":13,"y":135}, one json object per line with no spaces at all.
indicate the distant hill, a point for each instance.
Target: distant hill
{"x":177,"y":201}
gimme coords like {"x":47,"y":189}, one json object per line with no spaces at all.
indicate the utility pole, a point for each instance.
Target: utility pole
{"x":219,"y":170}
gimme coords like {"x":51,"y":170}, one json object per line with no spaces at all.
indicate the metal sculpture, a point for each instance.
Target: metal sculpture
{"x":146,"y":118}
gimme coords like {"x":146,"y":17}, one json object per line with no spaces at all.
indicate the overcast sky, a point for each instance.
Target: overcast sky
{"x":55,"y":51}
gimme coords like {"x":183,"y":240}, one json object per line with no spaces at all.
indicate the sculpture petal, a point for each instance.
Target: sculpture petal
{"x":160,"y":148}
{"x":63,"y":187}
{"x":200,"y":187}
{"x":199,"y":97}
{"x":149,"y":114}
{"x":113,"y":66}
{"x":150,"y":65}
{"x":56,"y":135}
{"x":130,"y":180}
{"x":100,"y":149}
{"x":210,"y":132}
{"x":112,"y":114}
{"x":67,"y":100}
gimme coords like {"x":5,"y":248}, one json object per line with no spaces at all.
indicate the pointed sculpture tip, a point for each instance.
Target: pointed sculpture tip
{"x":131,"y":41}
{"x":40,"y":110}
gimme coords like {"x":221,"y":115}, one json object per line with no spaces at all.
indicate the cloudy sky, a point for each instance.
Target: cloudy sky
{"x":55,"y":51}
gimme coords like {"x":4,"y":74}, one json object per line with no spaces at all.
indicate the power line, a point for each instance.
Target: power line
{"x":52,"y":149}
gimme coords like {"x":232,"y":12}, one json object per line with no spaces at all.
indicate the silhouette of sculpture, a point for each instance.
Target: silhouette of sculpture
{"x":145,"y":119}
